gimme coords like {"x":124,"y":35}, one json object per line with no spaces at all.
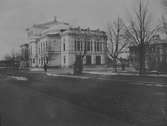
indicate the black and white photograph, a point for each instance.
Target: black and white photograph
{"x":83,"y":62}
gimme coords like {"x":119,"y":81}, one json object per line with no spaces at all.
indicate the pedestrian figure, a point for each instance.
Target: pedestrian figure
{"x":45,"y":67}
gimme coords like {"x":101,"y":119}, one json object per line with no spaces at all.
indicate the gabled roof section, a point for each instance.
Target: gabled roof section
{"x":50,"y":27}
{"x":56,"y":28}
{"x":50,"y":23}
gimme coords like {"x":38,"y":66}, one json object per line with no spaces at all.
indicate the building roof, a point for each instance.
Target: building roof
{"x":56,"y":28}
{"x":50,"y":27}
{"x":49,"y":24}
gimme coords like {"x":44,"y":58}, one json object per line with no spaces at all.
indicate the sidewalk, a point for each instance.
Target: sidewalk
{"x":53,"y":70}
{"x":125,"y":73}
{"x":68,"y":72}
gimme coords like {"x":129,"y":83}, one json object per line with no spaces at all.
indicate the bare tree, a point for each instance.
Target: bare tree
{"x":8,"y":57}
{"x":85,"y":37}
{"x":117,"y":41}
{"x":141,"y":32}
{"x":13,"y":59}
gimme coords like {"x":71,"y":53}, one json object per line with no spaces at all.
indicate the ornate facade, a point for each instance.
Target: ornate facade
{"x":58,"y":44}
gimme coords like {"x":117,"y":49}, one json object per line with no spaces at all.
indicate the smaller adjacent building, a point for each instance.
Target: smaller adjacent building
{"x":155,"y":55}
{"x":25,"y":54}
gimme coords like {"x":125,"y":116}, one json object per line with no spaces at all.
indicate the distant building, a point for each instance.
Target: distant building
{"x":24,"y":52}
{"x":156,"y":55}
{"x":24,"y":55}
{"x":58,"y":44}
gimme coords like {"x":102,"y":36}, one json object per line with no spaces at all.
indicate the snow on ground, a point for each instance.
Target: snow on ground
{"x":70,"y":76}
{"x":19,"y":78}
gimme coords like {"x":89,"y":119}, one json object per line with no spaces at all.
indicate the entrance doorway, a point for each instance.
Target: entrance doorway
{"x":88,"y":60}
{"x":98,"y":60}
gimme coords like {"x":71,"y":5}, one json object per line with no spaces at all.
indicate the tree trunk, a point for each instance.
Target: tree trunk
{"x":141,"y":59}
{"x":115,"y":64}
{"x":78,"y":65}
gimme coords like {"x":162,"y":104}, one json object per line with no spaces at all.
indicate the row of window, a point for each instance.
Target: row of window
{"x":30,"y":50}
{"x":150,"y":50}
{"x":32,"y":60}
{"x":97,"y":60}
{"x":42,"y":47}
{"x":89,"y":60}
{"x":156,"y":59}
{"x":78,"y":46}
{"x":156,"y":50}
{"x":88,"y":46}
{"x":43,"y":60}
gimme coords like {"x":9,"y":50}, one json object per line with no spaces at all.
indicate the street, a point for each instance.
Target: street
{"x":110,"y":100}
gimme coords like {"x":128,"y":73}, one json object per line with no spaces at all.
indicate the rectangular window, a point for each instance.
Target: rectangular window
{"x":31,"y":50}
{"x":85,"y":46}
{"x":102,"y":48}
{"x":88,"y":45}
{"x":64,"y":59}
{"x":95,"y":46}
{"x":98,"y":46}
{"x":41,"y":48}
{"x":33,"y":60}
{"x":45,"y":47}
{"x":98,"y":60}
{"x":88,"y":60}
{"x":91,"y":46}
{"x":41,"y":61}
{"x":78,"y":46}
{"x":64,"y":47}
{"x":81,"y":45}
{"x":75,"y":45}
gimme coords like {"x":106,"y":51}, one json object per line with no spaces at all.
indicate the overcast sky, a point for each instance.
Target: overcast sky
{"x":17,"y":15}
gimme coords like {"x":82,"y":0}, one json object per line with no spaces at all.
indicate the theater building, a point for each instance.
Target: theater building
{"x":58,"y":44}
